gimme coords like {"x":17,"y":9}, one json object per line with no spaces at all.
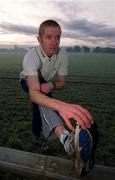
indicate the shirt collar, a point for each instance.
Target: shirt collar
{"x":44,"y":56}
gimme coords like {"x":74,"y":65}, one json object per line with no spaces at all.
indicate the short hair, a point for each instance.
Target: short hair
{"x":47,"y":23}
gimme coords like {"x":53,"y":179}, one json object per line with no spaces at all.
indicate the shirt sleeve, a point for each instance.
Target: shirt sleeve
{"x":30,"y":64}
{"x":63,"y":67}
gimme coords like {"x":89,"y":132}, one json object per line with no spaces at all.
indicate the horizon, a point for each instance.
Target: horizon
{"x":12,"y":47}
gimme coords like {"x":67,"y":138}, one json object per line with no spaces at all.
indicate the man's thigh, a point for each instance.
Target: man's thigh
{"x":50,"y":120}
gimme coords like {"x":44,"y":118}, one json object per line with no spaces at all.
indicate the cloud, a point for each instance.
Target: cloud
{"x":77,"y":30}
{"x":8,"y":28}
{"x":67,"y":9}
{"x":83,"y":27}
{"x":87,"y":21}
{"x":84,"y":21}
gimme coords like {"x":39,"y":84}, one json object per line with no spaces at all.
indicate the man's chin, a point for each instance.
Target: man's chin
{"x":52,"y":52}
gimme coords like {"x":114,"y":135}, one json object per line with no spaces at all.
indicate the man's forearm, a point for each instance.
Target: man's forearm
{"x":58,"y":85}
{"x":66,"y":111}
{"x":43,"y":100}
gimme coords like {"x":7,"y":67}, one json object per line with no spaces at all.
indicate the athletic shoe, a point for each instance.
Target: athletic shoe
{"x":69,"y":144}
{"x":83,"y":150}
{"x":79,"y":145}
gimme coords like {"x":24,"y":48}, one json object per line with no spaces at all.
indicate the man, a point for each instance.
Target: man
{"x":41,"y":64}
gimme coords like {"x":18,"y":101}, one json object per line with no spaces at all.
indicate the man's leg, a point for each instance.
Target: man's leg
{"x":78,"y":143}
{"x":53,"y":126}
{"x":36,"y":119}
{"x":36,"y":124}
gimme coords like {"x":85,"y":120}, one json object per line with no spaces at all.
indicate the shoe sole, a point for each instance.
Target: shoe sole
{"x":85,"y":144}
{"x":83,"y":149}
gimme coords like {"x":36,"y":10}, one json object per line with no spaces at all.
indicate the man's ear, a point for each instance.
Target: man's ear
{"x":39,"y":39}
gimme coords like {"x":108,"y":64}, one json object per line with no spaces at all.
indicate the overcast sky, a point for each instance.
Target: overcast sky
{"x":83,"y":22}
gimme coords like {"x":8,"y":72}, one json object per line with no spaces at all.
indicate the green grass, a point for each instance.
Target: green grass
{"x":92,"y":64}
{"x":91,"y":84}
{"x":10,"y":64}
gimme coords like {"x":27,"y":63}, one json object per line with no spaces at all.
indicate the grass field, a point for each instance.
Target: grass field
{"x":91,"y":83}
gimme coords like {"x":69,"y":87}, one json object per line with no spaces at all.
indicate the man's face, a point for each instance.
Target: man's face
{"x":50,"y":40}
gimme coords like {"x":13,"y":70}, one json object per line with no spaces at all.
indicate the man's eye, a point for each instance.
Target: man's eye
{"x":49,"y":37}
{"x":58,"y":37}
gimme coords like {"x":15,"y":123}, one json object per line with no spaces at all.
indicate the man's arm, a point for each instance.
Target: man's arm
{"x":66,"y":110}
{"x":47,"y":87}
{"x":60,"y":83}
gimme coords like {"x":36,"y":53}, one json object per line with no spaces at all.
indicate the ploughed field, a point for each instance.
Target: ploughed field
{"x":91,"y":83}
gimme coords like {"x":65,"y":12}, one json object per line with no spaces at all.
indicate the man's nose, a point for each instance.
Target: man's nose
{"x":54,"y":41}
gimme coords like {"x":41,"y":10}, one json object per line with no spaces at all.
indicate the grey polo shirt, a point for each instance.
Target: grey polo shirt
{"x":36,"y":60}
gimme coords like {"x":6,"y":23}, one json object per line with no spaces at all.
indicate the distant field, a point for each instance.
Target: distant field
{"x":94,"y":67}
{"x":81,"y":65}
{"x":10,"y":64}
{"x":91,"y":83}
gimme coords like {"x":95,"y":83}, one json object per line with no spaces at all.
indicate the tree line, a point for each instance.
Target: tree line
{"x":84,"y":49}
{"x":87,"y":49}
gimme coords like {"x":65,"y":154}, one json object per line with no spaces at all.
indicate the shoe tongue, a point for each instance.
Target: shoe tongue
{"x":65,"y":138}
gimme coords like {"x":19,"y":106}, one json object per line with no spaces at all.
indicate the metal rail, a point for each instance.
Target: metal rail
{"x":44,"y":167}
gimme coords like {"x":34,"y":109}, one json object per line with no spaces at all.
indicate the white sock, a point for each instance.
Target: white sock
{"x":63,"y":136}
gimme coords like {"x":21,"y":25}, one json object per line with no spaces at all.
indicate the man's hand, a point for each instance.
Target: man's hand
{"x":67,"y":111}
{"x":81,"y":115}
{"x":46,"y":87}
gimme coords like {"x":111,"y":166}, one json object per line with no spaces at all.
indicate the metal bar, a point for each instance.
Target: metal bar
{"x":46,"y":167}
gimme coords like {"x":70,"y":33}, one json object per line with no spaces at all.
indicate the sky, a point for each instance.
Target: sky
{"x":83,"y":22}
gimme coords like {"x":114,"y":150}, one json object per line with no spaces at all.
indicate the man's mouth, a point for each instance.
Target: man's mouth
{"x":52,"y":48}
